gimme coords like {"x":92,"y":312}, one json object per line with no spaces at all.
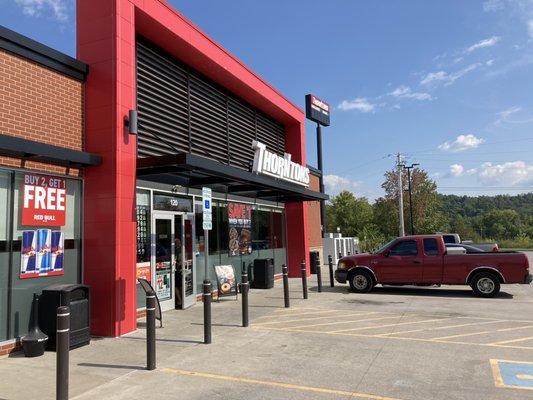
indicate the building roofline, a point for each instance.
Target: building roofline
{"x":30,"y":49}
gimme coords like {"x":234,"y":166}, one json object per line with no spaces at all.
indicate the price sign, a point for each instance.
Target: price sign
{"x":207,"y":209}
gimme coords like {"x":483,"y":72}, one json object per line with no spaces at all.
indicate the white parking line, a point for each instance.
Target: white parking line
{"x":389,"y":325}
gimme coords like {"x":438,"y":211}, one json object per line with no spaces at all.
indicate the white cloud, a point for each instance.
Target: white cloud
{"x":493,"y":5}
{"x":505,"y":115}
{"x":457,"y":170}
{"x":34,"y":8}
{"x":530,"y":28}
{"x":335,"y":184}
{"x":407,"y":93}
{"x":489,"y":62}
{"x":462,"y":143}
{"x":433,"y":78}
{"x":360,"y":104}
{"x":510,"y":173}
{"x":483,"y":43}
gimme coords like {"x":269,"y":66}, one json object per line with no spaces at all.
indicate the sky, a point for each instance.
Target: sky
{"x":448,"y":84}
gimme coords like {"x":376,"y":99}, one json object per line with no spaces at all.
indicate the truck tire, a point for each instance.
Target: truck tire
{"x":360,"y":281}
{"x":485,"y":284}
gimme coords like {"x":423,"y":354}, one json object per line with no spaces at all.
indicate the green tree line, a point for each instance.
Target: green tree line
{"x":505,"y":219}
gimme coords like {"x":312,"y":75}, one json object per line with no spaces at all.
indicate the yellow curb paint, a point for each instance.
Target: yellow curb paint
{"x":282,"y":385}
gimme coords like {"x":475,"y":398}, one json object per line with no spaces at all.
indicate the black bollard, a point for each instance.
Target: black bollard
{"x":62,"y":349}
{"x":245,"y":286}
{"x":304,"y":279}
{"x":207,"y":311}
{"x":318,"y":270}
{"x":340,"y":255}
{"x":286,"y":286}
{"x":349,"y":253}
{"x":150,"y":330}
{"x":330,"y":265}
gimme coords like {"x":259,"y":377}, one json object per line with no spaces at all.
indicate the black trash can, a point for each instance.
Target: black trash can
{"x":314,"y":259}
{"x":76,"y":297}
{"x":263,"y":273}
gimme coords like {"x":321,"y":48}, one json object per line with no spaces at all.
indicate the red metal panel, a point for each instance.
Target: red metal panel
{"x":105,"y":41}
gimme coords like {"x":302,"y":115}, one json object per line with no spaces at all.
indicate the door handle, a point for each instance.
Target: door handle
{"x":417,"y":261}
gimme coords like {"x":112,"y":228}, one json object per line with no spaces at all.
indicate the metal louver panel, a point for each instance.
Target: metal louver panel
{"x":182,"y":111}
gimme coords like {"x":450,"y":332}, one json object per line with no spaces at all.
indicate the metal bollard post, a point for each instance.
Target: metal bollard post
{"x":349,"y":253}
{"x":150,"y":330}
{"x":340,"y":255}
{"x":286,"y":286}
{"x":245,"y":286}
{"x":207,"y":311}
{"x":304,"y":279}
{"x":330,"y":265}
{"x":318,"y":270}
{"x":62,"y":349}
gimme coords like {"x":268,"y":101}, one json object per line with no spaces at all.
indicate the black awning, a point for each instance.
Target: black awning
{"x":30,"y":150}
{"x":194,"y":171}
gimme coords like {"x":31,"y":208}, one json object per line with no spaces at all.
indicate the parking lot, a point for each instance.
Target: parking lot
{"x":393,"y":343}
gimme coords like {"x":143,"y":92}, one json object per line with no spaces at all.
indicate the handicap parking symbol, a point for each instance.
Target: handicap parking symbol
{"x":512,"y":374}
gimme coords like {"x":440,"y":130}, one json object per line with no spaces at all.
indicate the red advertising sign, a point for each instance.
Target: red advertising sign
{"x":44,"y":200}
{"x":240,"y":228}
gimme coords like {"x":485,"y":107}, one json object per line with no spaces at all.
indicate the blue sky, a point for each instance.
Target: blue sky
{"x":446,"y":83}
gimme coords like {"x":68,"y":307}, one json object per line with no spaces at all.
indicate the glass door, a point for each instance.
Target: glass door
{"x":163,"y":259}
{"x":186,"y":272}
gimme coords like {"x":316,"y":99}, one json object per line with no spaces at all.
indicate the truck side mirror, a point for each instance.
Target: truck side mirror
{"x":386,"y":253}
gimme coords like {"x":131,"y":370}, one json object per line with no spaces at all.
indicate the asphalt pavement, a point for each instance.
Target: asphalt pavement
{"x":394,"y":343}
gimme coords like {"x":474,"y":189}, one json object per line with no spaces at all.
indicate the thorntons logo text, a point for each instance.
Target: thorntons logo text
{"x":268,"y":163}
{"x":319,"y":105}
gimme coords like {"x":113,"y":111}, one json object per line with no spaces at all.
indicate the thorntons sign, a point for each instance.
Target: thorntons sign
{"x":268,"y":163}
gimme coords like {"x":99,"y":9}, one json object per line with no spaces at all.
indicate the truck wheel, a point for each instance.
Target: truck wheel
{"x":361,"y":281}
{"x":485,"y":284}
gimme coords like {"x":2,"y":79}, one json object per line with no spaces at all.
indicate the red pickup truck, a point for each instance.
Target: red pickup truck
{"x":423,"y":260}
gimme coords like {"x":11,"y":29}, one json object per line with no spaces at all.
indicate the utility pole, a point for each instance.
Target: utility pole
{"x":409,"y":168}
{"x":400,"y":193}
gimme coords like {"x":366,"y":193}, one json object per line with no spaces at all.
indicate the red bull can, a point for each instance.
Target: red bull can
{"x":29,"y":245}
{"x":57,"y":250}
{"x":44,"y":237}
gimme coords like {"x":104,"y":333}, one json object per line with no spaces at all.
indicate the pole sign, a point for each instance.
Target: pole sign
{"x":317,"y":110}
{"x":207,"y":209}
{"x":44,"y":200}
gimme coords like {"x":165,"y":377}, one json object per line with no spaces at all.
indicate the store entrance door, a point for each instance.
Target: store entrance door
{"x":185,"y":265}
{"x":163,"y":259}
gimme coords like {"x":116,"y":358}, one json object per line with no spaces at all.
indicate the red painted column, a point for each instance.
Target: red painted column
{"x":296,"y":213}
{"x":106,"y":42}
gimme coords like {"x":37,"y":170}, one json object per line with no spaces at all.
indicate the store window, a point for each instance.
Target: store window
{"x":143,"y":266}
{"x":5,"y":185}
{"x":60,"y":231}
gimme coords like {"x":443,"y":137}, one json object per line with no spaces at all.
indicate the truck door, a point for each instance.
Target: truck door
{"x":433,"y":262}
{"x":402,"y":263}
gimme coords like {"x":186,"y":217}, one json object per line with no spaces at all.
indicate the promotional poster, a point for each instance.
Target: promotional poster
{"x":227,"y":284}
{"x":44,"y":200}
{"x":42,"y":253}
{"x":240,"y":229}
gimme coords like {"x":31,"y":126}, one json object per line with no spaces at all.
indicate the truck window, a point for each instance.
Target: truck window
{"x":448,"y":238}
{"x":430,"y":247}
{"x":404,"y":248}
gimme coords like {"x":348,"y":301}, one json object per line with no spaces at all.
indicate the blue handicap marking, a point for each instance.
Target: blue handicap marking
{"x":513,"y":374}
{"x":207,"y":204}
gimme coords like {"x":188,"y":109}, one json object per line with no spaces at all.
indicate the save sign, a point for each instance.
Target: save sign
{"x":44,"y":200}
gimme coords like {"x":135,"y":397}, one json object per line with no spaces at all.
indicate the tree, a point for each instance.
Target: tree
{"x":427,"y":214}
{"x":349,"y":213}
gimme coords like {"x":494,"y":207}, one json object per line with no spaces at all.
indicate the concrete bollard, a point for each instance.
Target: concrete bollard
{"x":62,"y":352}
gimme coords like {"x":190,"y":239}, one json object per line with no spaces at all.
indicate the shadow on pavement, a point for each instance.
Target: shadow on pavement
{"x":166,"y":340}
{"x":431,"y":292}
{"x":111,"y":366}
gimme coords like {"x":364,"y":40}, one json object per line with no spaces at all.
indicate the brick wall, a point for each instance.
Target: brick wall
{"x":39,"y":104}
{"x":313,"y":213}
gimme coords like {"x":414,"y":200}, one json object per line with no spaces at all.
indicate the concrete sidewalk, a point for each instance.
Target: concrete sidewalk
{"x":296,"y":353}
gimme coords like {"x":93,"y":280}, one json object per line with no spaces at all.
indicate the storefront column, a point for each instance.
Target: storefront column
{"x":298,"y":245}
{"x":106,"y":42}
